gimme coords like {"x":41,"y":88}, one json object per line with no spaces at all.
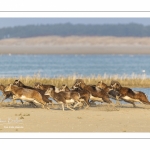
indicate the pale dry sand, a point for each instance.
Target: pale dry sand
{"x":95,"y":119}
{"x":76,"y":45}
{"x":75,"y":49}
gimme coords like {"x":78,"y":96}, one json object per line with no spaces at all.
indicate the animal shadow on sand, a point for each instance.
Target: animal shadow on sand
{"x":106,"y":107}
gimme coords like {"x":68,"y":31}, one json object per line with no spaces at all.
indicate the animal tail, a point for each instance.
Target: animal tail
{"x":146,"y":96}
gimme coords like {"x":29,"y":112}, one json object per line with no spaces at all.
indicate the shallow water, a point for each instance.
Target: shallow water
{"x":65,"y":65}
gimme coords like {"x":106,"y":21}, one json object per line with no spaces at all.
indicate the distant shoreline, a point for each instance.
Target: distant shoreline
{"x":76,"y":49}
{"x":76,"y":45}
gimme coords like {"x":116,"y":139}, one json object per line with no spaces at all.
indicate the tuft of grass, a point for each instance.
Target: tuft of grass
{"x":21,"y":117}
{"x":79,"y":117}
{"x":125,"y":80}
{"x":22,"y":114}
{"x":26,"y":114}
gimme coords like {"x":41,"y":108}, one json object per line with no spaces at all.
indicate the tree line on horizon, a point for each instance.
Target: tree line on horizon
{"x":68,"y":29}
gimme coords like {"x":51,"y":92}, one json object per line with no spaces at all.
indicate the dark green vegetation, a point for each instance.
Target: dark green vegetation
{"x":119,"y":30}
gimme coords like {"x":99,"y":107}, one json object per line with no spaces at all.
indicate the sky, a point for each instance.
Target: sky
{"x":11,"y":22}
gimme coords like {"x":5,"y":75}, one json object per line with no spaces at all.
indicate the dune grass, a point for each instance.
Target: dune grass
{"x":132,"y":81}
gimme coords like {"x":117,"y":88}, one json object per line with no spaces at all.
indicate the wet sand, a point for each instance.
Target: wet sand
{"x":101,"y":118}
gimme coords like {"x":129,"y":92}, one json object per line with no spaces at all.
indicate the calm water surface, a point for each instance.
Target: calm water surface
{"x":64,"y":65}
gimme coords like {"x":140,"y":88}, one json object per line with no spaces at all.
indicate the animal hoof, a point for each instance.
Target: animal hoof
{"x":87,"y":107}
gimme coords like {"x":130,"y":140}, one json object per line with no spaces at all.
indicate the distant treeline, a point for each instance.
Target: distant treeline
{"x":67,"y":29}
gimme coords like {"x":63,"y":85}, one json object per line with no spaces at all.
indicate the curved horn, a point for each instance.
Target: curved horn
{"x":79,"y":80}
{"x":115,"y":82}
{"x":16,"y":82}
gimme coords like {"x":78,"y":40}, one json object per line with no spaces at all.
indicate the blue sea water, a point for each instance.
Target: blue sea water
{"x":66,"y":65}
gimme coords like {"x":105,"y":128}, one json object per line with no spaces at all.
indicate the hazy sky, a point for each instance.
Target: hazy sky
{"x":7,"y":22}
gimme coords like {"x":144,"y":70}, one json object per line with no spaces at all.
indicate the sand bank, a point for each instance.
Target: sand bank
{"x":76,"y":49}
{"x":76,"y":45}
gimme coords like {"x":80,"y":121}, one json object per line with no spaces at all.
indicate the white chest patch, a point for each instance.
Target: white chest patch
{"x":96,"y":98}
{"x":26,"y":98}
{"x":70,"y":101}
{"x":131,"y":99}
{"x":57,"y":90}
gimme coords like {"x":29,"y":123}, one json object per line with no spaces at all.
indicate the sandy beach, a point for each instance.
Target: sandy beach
{"x":75,"y":49}
{"x":76,"y":45}
{"x":19,"y":118}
